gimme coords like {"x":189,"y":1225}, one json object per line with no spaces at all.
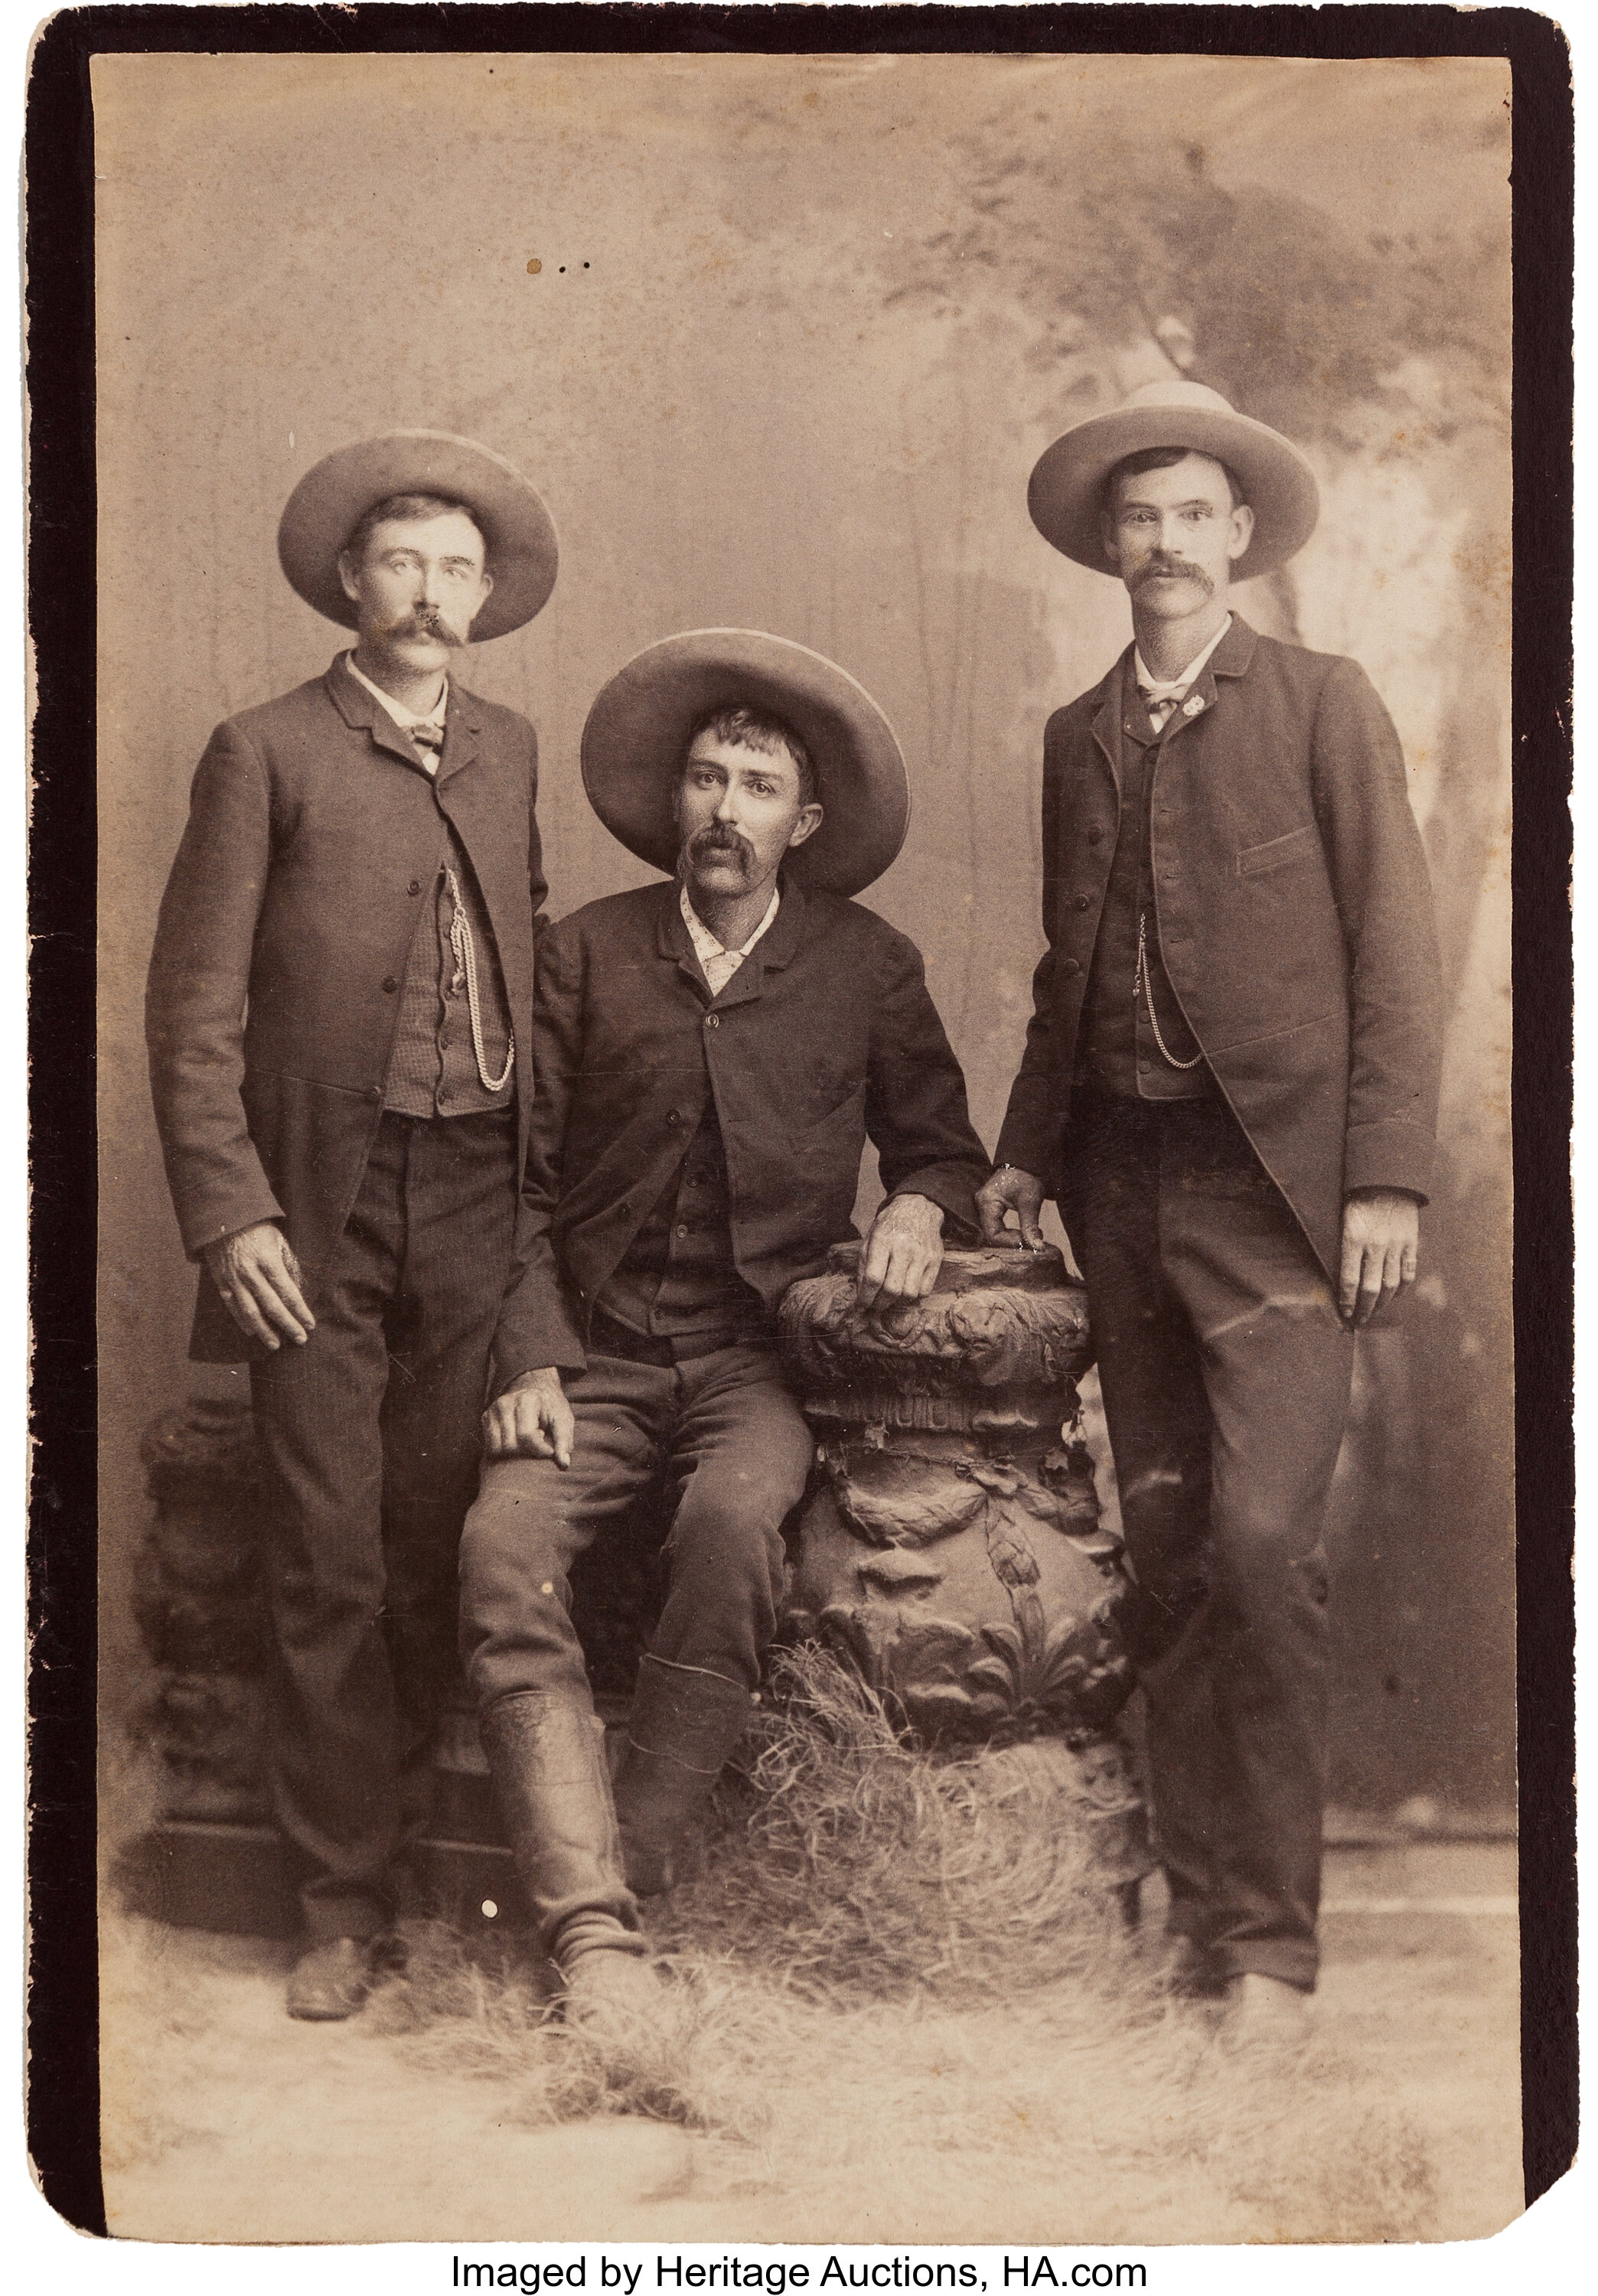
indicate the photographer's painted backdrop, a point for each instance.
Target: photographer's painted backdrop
{"x":779,"y":340}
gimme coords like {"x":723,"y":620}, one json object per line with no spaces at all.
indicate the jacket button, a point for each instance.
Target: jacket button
{"x":672,"y":1116}
{"x":712,"y":1020}
{"x":415,"y":886}
{"x":1081,"y":900}
{"x":1070,"y":968}
{"x":390,"y":986}
{"x":1094,"y":835}
{"x":682,"y":1231}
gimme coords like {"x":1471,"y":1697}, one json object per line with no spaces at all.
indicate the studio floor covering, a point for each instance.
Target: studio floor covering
{"x":225,"y":2121}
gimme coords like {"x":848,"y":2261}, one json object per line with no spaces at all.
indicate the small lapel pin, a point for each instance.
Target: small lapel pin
{"x":1191,"y":708}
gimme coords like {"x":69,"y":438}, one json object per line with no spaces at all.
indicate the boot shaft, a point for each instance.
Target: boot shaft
{"x":547,"y":1759}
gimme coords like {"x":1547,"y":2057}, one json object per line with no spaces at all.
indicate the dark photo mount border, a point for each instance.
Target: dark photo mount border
{"x":62,"y":2002}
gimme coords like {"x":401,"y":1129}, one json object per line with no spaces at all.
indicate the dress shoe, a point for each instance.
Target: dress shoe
{"x":1265,"y":2017}
{"x":330,"y":1981}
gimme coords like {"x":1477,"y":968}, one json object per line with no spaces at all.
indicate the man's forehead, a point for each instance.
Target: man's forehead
{"x":451,"y":530}
{"x":1193,"y":474}
{"x":708,"y":749}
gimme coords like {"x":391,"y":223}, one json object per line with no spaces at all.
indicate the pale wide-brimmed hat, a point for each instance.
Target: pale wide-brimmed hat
{"x":1066,"y":495}
{"x":638,"y":731}
{"x":337,"y":492}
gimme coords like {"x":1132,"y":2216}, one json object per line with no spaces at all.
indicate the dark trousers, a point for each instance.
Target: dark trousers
{"x":372,"y":1436}
{"x":724,"y":1436}
{"x":1225,"y":1371}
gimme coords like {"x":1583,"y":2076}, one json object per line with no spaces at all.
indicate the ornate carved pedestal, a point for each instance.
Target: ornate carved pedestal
{"x":952,"y":1548}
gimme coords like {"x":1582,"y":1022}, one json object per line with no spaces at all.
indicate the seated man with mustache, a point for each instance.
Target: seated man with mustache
{"x":712,"y":1053}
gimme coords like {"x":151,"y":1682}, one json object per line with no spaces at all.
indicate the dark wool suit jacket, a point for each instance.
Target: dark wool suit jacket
{"x":313,"y":841}
{"x":1295,"y":920}
{"x":823,"y":1035}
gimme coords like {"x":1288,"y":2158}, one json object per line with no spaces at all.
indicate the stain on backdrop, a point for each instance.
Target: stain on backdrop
{"x":779,"y":340}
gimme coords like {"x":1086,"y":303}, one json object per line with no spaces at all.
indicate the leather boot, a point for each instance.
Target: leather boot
{"x":546,"y":1753}
{"x":683,"y":1726}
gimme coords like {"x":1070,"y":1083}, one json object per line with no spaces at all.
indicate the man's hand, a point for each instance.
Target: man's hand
{"x":532,"y":1420}
{"x":903,"y":1253}
{"x":1381,"y":1235}
{"x":1012,"y":1190}
{"x":259,"y":1278}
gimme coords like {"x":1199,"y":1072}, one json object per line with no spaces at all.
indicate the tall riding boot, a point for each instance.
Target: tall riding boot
{"x":683,"y":1726}
{"x":546,"y":1759}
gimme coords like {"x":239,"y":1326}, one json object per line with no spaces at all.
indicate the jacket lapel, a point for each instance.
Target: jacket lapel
{"x":673,"y":943}
{"x":1107,"y":718}
{"x":358,"y":707}
{"x":462,"y":732}
{"x":775,"y":948}
{"x":1231,"y":659}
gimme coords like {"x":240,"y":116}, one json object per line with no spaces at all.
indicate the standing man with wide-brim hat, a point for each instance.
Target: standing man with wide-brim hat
{"x":713,"y":1052}
{"x":1230,"y":1089}
{"x":340,"y":1019}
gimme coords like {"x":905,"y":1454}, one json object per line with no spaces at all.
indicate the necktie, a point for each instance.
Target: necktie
{"x":1160,"y":700}
{"x":429,"y":740}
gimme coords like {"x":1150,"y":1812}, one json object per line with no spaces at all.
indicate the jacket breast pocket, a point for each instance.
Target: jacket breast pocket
{"x":1277,"y":853}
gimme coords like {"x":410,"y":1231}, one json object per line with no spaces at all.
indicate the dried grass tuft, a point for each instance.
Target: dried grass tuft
{"x":894,"y":2010}
{"x":483,"y":2008}
{"x":851,"y":1862}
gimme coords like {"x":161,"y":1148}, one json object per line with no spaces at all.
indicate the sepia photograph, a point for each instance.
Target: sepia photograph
{"x":806,"y":1350}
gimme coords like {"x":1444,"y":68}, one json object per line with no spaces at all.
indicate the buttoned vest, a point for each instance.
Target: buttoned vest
{"x":433,"y":1069}
{"x":1119,"y":1052}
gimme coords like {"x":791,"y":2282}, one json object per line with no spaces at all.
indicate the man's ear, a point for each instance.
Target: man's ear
{"x":1107,"y":535}
{"x":806,"y":825}
{"x":1242,"y":531}
{"x":347,"y":575}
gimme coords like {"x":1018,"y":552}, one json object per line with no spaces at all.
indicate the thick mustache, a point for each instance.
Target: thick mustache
{"x":424,"y":623}
{"x":1172,"y":567}
{"x":720,"y":837}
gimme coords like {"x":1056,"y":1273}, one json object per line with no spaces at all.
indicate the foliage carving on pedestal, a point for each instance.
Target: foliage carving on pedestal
{"x":951,"y":1546}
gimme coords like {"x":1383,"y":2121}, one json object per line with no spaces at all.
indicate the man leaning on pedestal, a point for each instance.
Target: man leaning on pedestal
{"x":339,"y":1011}
{"x":713,"y":1052}
{"x":1230,"y":1089}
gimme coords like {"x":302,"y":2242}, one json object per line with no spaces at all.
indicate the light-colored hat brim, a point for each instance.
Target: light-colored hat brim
{"x":1066,"y":493}
{"x":638,"y":731}
{"x":336,"y":494}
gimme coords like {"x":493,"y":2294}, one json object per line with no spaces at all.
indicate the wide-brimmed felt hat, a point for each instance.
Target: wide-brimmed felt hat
{"x":638,"y":732}
{"x":337,"y":492}
{"x":1066,"y":493}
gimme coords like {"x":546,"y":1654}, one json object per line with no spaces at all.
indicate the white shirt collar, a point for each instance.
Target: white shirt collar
{"x":1159,"y":689}
{"x":402,"y":716}
{"x":709,"y":950}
